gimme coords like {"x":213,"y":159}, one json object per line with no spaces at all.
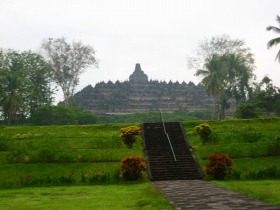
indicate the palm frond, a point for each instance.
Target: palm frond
{"x":201,"y":72}
{"x":273,"y":42}
{"x":278,"y":56}
{"x":278,"y":19}
{"x":273,"y":28}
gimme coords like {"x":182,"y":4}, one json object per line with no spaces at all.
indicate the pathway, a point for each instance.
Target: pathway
{"x":203,"y":195}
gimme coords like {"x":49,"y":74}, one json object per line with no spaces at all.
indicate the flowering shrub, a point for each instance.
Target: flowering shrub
{"x":129,"y":135}
{"x":132,"y":168}
{"x":101,"y":177}
{"x":204,"y":131}
{"x":218,"y":166}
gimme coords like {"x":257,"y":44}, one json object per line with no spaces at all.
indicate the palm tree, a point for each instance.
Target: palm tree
{"x":275,"y":41}
{"x":213,"y":76}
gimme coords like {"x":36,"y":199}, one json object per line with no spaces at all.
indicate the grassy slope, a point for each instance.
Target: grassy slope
{"x":76,"y":148}
{"x":101,"y":197}
{"x":266,"y":190}
{"x":246,"y":141}
{"x":99,"y":145}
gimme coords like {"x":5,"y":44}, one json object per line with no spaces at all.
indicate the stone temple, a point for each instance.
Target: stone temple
{"x":139,"y":94}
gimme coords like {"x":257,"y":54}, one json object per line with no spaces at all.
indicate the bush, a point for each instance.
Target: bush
{"x":129,"y":135}
{"x":218,"y":166}
{"x":47,"y":155}
{"x":267,"y":173}
{"x":274,"y":147}
{"x":132,"y":168}
{"x":204,"y":131}
{"x":246,"y":111}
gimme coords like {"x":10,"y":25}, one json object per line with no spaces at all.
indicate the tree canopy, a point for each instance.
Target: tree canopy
{"x":68,"y":62}
{"x":226,"y":77}
{"x":219,"y":45}
{"x":24,"y":84}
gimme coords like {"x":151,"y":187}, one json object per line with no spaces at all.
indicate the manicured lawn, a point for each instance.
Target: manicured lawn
{"x":101,"y":197}
{"x":266,"y":190}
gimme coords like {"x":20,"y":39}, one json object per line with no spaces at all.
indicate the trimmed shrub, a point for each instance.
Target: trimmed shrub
{"x":218,"y":166}
{"x":129,"y":135}
{"x":204,"y":131}
{"x":132,"y":168}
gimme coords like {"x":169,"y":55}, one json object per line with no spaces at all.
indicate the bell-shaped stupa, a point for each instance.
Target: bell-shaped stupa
{"x":138,"y":76}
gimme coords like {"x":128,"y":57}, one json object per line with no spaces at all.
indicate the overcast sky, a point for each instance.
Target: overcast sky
{"x":158,"y":34}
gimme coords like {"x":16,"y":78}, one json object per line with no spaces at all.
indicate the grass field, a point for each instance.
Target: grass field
{"x":252,"y":144}
{"x":266,"y":190}
{"x":56,"y":151}
{"x":101,"y":197}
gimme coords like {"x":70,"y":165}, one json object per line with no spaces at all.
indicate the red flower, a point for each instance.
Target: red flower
{"x":28,"y":177}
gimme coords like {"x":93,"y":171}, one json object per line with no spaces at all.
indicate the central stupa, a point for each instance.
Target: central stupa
{"x":138,"y":76}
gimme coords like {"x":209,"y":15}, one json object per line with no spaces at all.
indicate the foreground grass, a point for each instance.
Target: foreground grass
{"x":101,"y":197}
{"x":266,"y":190}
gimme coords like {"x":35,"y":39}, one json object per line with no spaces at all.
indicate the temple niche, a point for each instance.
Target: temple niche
{"x":138,"y":94}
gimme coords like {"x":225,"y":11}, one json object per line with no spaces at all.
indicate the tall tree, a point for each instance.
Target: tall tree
{"x":226,"y":77}
{"x":213,"y":76}
{"x":219,"y":45}
{"x":236,"y":64}
{"x":275,"y":41}
{"x":68,"y":62}
{"x":18,"y":89}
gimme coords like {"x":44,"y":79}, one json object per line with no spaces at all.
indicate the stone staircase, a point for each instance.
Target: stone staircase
{"x":160,"y":159}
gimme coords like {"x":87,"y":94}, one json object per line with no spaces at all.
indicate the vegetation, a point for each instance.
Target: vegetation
{"x":266,"y":190}
{"x":204,"y":131}
{"x":53,"y":152}
{"x":68,"y":62}
{"x":254,"y":149}
{"x":226,"y":77}
{"x":129,"y":135}
{"x":132,"y":168}
{"x":218,"y":166}
{"x":154,"y":117}
{"x":102,"y":197}
{"x":91,"y":155}
{"x":61,"y":115}
{"x":275,"y":41}
{"x":24,"y":84}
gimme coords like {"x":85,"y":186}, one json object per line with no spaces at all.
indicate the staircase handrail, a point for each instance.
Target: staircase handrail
{"x":172,"y":150}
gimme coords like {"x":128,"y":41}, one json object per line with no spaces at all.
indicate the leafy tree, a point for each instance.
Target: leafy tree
{"x":213,"y":75}
{"x":267,"y":97}
{"x":38,"y":77}
{"x":226,"y":77}
{"x":54,"y":115}
{"x":68,"y":62}
{"x":24,"y":84}
{"x":227,"y":71}
{"x":246,"y":111}
{"x":275,"y":41}
{"x":220,"y":45}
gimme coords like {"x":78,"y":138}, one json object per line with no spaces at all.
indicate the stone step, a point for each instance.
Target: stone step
{"x":160,"y":158}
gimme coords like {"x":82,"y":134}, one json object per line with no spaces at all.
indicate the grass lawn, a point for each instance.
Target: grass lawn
{"x":266,"y":190}
{"x":101,"y":197}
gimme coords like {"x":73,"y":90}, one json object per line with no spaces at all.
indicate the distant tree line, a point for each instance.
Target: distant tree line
{"x":226,"y":66}
{"x":27,"y":81}
{"x":227,"y":76}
